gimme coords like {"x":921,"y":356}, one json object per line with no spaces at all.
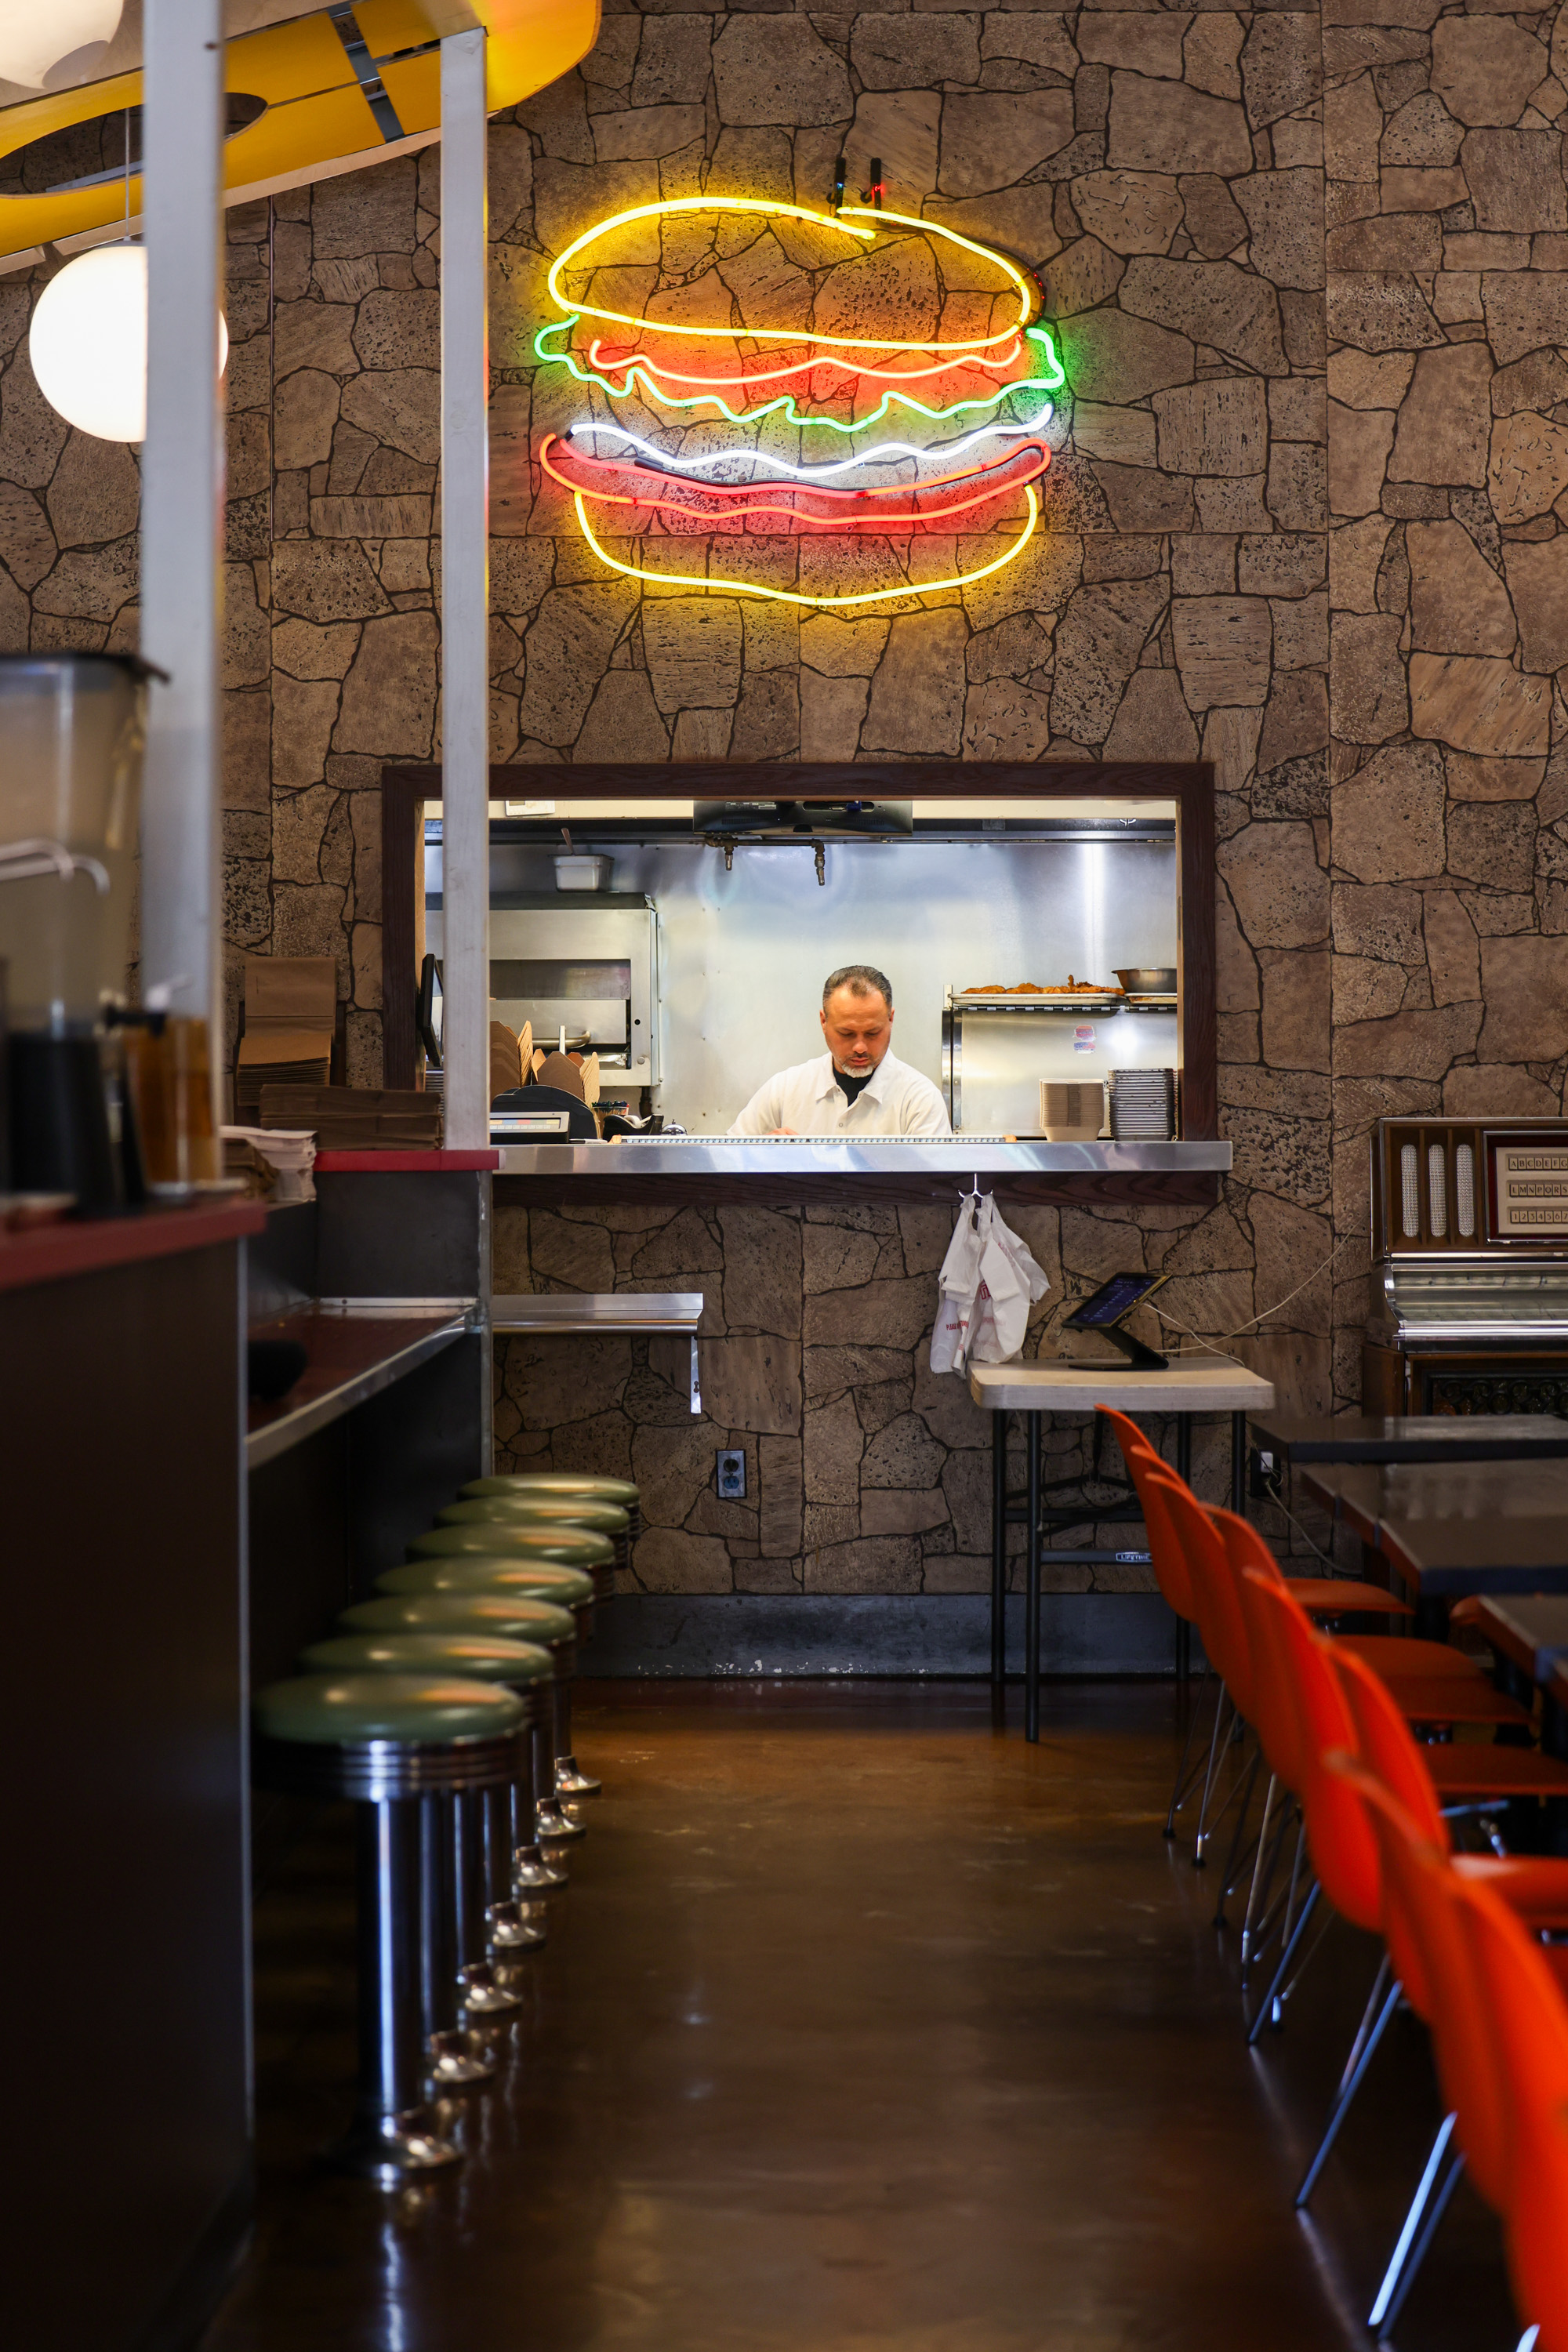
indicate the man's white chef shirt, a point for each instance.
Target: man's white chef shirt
{"x":808,"y":1100}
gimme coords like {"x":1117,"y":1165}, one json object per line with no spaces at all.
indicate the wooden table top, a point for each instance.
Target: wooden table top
{"x":1189,"y":1384}
{"x":1530,"y":1628}
{"x":1365,"y":1494}
{"x":1413,"y":1437}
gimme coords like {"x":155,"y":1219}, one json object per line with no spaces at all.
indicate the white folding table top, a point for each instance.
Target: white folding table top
{"x":1189,"y":1384}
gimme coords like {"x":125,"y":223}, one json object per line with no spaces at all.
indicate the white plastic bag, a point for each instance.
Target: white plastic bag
{"x":988,"y":1283}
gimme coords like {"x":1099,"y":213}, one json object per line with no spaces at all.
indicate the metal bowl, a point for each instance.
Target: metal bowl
{"x":1149,"y":979}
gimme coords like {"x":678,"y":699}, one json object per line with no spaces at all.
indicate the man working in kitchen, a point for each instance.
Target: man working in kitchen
{"x":858,"y":1086}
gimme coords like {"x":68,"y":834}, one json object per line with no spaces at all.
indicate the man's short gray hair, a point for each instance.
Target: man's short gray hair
{"x":860,"y":979}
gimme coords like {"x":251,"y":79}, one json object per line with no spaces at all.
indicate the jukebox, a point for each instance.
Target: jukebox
{"x":1469,"y":1272}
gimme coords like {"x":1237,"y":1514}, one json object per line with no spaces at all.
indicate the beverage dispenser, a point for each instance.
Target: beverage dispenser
{"x":72,"y":728}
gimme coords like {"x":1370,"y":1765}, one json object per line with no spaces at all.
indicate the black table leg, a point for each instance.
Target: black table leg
{"x":1032,"y":1593}
{"x":998,"y":1552}
{"x":1238,"y":1464}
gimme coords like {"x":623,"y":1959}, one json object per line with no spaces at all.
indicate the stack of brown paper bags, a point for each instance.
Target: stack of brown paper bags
{"x":290,"y":1014}
{"x":357,"y":1119}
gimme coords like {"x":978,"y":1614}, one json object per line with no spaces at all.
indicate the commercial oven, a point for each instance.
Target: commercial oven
{"x":579,"y":965}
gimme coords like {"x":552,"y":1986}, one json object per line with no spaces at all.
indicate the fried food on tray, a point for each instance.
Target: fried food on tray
{"x":1031,"y":988}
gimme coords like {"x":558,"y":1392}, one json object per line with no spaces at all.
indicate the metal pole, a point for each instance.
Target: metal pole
{"x":1032,"y":1584}
{"x":465,"y":592}
{"x":181,"y":510}
{"x":998,"y":1551}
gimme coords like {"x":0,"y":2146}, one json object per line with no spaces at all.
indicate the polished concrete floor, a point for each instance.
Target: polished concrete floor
{"x":862,"y":2025}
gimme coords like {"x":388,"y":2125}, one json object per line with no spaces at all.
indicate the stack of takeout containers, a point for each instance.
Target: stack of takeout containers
{"x":1143,"y":1105}
{"x":291,"y":1015}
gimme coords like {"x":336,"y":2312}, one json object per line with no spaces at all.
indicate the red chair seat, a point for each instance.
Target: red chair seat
{"x":1399,"y":1656}
{"x":1534,"y":1885}
{"x":1335,"y":1596}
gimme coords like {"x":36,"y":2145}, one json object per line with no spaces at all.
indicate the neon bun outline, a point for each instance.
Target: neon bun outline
{"x":673,"y":488}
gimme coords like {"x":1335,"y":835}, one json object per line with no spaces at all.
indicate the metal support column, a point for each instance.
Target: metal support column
{"x":181,"y":510}
{"x":465,"y":591}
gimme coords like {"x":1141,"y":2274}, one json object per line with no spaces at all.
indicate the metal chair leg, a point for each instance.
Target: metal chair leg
{"x":481,"y":1995}
{"x":1271,"y":1998}
{"x":1255,"y":1890}
{"x":1202,"y":1839}
{"x":1405,"y":2266}
{"x":1181,"y":1787}
{"x":1224,"y":1876}
{"x":1369,"y":2033}
{"x":457,"y":2056}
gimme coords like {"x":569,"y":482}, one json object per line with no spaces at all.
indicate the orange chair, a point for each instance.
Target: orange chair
{"x":1534,"y":1887}
{"x":1522,"y":2010}
{"x":1424,"y":1900}
{"x":1169,"y":1563}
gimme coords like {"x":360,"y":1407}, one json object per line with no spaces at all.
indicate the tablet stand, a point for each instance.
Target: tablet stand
{"x":1140,"y":1358}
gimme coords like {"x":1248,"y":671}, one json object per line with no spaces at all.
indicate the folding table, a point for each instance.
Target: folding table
{"x":1188,"y":1385}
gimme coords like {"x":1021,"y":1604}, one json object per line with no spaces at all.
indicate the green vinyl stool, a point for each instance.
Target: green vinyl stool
{"x":386,"y":1741}
{"x":529,"y":1544}
{"x":567,"y":1588}
{"x":570,"y":1483}
{"x":458,"y":2053}
{"x":514,"y":1619}
{"x":545,"y":1511}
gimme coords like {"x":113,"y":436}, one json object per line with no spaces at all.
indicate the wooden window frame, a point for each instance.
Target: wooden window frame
{"x":405,"y":790}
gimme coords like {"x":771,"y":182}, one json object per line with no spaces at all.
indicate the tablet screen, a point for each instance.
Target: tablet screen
{"x":1113,"y":1300}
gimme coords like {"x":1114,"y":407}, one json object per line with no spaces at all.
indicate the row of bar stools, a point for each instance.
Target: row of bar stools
{"x":396,"y":1743}
{"x":491,"y":1545}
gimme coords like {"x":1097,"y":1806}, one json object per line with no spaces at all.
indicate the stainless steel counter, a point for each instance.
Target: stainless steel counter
{"x":711,"y":1155}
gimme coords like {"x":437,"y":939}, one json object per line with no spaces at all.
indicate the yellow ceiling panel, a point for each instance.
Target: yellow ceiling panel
{"x":318,"y":117}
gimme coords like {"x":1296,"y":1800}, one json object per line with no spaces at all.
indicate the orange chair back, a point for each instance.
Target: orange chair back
{"x":1520,"y":2012}
{"x":1164,"y":1552}
{"x":1425,"y":1905}
{"x":1217,"y":1604}
{"x":1298,"y":1683}
{"x":1387,"y":1746}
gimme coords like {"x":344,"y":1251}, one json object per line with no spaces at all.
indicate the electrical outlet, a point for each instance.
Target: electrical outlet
{"x":731,"y":1475}
{"x":1263,"y":1484}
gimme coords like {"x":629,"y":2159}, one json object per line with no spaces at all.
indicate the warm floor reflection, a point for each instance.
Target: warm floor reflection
{"x":861,"y":2027}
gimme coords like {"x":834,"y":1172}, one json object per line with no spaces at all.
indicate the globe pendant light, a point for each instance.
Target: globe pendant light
{"x":89,"y":343}
{"x":37,"y":36}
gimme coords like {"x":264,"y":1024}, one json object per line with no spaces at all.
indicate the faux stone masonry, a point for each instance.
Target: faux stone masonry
{"x":1310,"y":272}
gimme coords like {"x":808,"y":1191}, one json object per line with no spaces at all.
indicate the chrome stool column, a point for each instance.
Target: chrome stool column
{"x":387,"y":1742}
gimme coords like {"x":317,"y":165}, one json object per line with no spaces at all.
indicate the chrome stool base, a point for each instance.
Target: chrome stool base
{"x":571,"y":1782}
{"x":556,"y":1825}
{"x":532,"y":1874}
{"x":458,"y":2058}
{"x":510,"y":1928}
{"x":391,"y":2150}
{"x":480,"y":1994}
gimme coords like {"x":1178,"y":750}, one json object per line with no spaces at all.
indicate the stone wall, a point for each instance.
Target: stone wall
{"x":1310,"y":271}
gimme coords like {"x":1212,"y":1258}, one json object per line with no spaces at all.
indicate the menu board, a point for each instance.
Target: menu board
{"x":1530,"y":1189}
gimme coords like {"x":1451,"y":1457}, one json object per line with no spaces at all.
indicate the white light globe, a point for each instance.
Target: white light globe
{"x":89,"y":343}
{"x":37,"y":35}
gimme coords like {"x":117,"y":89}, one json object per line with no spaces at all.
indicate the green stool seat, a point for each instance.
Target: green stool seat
{"x":567,"y":1587}
{"x":555,"y":1482}
{"x":568,"y":1546}
{"x":476,"y":1657}
{"x":462,"y":1612}
{"x":539,"y":1511}
{"x":329,"y":1709}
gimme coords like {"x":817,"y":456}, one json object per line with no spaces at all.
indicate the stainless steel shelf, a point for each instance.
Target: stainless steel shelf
{"x":355,"y":1349}
{"x":717,"y":1155}
{"x":1099,"y":1006}
{"x":623,"y":1312}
